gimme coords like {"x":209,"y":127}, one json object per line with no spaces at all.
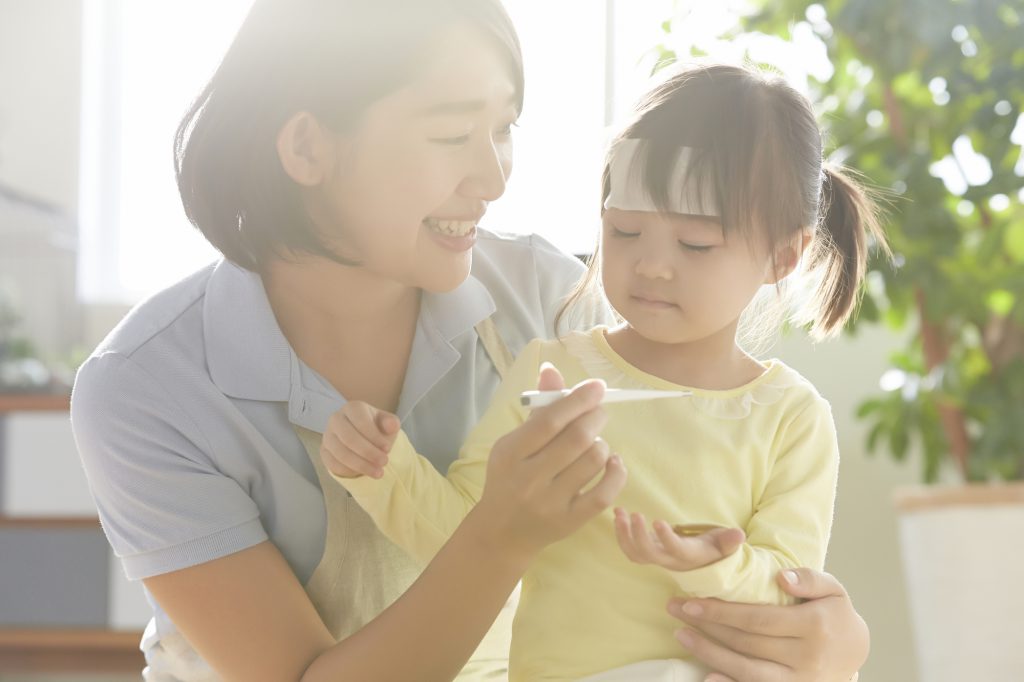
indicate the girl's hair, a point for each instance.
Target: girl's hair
{"x":332,"y":58}
{"x":757,"y":148}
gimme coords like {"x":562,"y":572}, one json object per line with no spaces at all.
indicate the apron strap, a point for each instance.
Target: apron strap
{"x":495,"y":346}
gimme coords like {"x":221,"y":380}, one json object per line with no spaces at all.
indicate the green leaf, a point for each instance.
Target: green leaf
{"x":1014,"y":242}
{"x":1001,"y":302}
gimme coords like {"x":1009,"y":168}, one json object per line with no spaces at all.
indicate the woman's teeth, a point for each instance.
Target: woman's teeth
{"x":450,"y":228}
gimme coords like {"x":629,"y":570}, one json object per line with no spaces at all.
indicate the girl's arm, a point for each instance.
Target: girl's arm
{"x":415,"y":506}
{"x":823,"y":639}
{"x":789,"y":528}
{"x":248,"y":616}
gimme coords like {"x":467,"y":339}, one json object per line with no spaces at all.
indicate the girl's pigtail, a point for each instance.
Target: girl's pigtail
{"x":849,"y":219}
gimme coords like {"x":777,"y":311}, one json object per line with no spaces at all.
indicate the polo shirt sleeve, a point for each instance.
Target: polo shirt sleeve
{"x":161,"y":500}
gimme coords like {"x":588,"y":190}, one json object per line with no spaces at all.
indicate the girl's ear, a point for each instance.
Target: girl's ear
{"x":787,"y":257}
{"x":307,"y":150}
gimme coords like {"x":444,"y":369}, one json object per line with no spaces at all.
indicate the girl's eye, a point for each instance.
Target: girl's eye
{"x":695,"y":248}
{"x":451,"y":141}
{"x":624,"y":235}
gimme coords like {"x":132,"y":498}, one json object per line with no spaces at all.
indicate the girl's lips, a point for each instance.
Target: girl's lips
{"x":652,"y":302}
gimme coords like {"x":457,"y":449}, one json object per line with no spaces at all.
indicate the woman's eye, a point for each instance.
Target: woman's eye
{"x":451,"y":141}
{"x":506,"y":131}
{"x":695,"y":248}
{"x":622,"y":234}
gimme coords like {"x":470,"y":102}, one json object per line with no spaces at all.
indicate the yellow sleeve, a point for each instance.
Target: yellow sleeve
{"x":793,"y":520}
{"x":415,"y":506}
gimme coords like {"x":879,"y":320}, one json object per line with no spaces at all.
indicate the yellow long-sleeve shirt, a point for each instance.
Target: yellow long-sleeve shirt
{"x":762,"y":457}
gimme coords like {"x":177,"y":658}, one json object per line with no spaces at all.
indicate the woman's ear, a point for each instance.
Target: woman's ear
{"x":307,"y":150}
{"x":787,"y":256}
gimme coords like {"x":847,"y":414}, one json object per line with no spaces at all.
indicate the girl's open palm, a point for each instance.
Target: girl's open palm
{"x":663,"y":547}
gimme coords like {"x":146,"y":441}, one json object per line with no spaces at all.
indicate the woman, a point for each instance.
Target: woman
{"x":340,"y":159}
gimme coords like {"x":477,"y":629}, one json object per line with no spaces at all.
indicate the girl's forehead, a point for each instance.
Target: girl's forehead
{"x":680,"y":221}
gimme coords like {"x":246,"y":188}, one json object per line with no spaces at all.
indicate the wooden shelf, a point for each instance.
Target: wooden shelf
{"x":70,"y":651}
{"x":29,"y":402}
{"x":49,"y":522}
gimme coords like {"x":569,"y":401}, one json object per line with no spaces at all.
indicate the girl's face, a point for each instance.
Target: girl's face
{"x":677,"y":278}
{"x":412,"y":181}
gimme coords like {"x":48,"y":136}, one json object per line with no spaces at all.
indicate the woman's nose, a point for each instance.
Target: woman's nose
{"x":488,"y":174}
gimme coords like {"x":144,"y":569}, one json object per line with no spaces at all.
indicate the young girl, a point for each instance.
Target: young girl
{"x":716,"y":189}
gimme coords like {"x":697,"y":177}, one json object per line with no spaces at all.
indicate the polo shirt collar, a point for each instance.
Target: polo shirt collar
{"x":250,"y":358}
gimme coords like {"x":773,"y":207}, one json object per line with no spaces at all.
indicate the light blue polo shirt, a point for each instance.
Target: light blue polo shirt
{"x":183,"y":415}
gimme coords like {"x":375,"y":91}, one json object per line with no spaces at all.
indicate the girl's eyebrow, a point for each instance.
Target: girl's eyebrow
{"x":459,"y":107}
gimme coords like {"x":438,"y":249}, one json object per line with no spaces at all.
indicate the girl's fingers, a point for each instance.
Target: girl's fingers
{"x":624,"y":534}
{"x":352,"y":450}
{"x":341,"y":461}
{"x":701,"y":550}
{"x":367,"y":420}
{"x":644,"y":541}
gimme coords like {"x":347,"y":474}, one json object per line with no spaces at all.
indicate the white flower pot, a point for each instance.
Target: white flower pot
{"x":963,"y":558}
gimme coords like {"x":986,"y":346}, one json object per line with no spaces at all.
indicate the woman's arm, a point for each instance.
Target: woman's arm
{"x":249,"y":618}
{"x":823,"y":639}
{"x":247,"y":615}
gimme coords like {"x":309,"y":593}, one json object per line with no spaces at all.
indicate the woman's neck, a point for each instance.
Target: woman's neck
{"x":714,"y":363}
{"x":352,"y":327}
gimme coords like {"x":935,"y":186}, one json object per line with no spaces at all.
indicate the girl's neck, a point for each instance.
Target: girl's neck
{"x":714,"y":363}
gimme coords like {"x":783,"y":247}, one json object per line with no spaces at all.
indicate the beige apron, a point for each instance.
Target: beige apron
{"x":362,"y":572}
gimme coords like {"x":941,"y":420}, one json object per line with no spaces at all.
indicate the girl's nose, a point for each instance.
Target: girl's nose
{"x":655,"y":262}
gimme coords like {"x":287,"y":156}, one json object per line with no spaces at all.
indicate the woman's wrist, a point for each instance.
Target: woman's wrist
{"x":486,"y":545}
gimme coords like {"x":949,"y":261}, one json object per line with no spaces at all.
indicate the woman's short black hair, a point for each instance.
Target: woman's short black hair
{"x":332,"y":58}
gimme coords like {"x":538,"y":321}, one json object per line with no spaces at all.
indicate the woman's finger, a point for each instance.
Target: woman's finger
{"x":585,"y":469}
{"x":784,"y":650}
{"x":806,"y":583}
{"x":569,"y":446}
{"x":548,"y":422}
{"x":587,"y":505}
{"x":727,"y":662}
{"x":761,"y":619}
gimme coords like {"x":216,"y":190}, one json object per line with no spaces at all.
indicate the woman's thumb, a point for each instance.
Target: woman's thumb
{"x":806,"y":583}
{"x":550,"y":379}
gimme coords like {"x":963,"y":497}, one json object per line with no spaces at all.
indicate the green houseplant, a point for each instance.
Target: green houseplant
{"x":926,"y":99}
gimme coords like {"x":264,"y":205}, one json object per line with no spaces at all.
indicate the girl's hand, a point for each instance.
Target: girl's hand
{"x":536,"y":474}
{"x":665,"y":548}
{"x":357,"y":440}
{"x":820,"y":640}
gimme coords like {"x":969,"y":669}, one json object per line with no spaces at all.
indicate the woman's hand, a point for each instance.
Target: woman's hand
{"x":536,"y":474}
{"x":821,"y":640}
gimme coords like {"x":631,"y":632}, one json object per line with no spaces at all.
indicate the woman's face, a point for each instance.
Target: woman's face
{"x":414,"y":177}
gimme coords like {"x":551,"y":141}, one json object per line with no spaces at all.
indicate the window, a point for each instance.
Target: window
{"x":143,"y":63}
